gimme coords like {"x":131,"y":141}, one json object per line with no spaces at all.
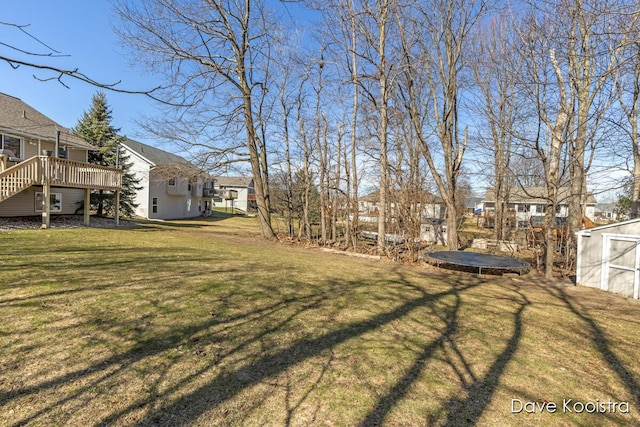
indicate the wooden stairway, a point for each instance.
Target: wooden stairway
{"x":19,"y":177}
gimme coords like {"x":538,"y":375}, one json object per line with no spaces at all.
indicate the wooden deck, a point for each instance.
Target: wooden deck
{"x":52,"y":171}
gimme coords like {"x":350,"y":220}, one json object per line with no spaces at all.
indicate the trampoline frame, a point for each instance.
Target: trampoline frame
{"x":516,"y":264}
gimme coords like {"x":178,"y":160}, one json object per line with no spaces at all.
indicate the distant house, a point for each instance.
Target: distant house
{"x":606,"y":212}
{"x":527,"y":206}
{"x":172,"y":187}
{"x":39,"y":157}
{"x":234,"y":192}
{"x":431,"y":206}
{"x":473,"y":205}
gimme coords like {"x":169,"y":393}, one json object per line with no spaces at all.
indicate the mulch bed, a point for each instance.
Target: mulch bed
{"x":61,"y":221}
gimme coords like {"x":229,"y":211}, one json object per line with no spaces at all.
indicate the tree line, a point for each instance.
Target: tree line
{"x":321,"y":97}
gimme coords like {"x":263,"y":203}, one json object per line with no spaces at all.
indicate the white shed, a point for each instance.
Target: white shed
{"x":609,"y":258}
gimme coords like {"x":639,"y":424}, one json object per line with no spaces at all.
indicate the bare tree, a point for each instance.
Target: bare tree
{"x":214,"y":54}
{"x":37,"y":60}
{"x":547,"y":128}
{"x":628,"y":92}
{"x":434,"y":38}
{"x":374,"y":21}
{"x":496,"y":75}
{"x":344,"y":28}
{"x":587,"y":50}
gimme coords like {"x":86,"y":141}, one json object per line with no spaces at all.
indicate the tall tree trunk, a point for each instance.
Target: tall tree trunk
{"x":384,"y":10}
{"x":552,"y":173}
{"x":355,"y":206}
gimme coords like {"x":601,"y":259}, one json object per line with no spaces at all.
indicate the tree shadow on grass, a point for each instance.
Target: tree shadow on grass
{"x":101,"y":372}
{"x":468,"y":410}
{"x":226,"y":385}
{"x":168,"y":403}
{"x":479,"y":391}
{"x":385,"y":404}
{"x":600,"y":342}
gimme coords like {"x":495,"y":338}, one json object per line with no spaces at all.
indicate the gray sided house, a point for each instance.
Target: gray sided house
{"x":172,"y":187}
{"x":609,"y":258}
{"x":527,"y":206}
{"x":43,"y":166}
{"x":430,"y":206}
{"x":234,"y":192}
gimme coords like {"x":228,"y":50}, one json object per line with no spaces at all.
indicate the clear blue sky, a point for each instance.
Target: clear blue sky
{"x":83,"y":30}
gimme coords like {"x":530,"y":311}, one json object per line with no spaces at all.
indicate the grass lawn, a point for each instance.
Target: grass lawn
{"x":202,"y":323}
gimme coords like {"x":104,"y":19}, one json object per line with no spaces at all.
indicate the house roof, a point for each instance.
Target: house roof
{"x":534,"y":195}
{"x":171,"y":164}
{"x":610,"y":206}
{"x":587,"y":232}
{"x":472,"y":202}
{"x":153,"y":155}
{"x":20,"y":119}
{"x":233,"y":181}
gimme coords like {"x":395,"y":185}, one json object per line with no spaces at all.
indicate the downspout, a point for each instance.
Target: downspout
{"x":56,"y":151}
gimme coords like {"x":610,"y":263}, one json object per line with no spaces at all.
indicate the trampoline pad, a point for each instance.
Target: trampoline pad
{"x":477,"y":260}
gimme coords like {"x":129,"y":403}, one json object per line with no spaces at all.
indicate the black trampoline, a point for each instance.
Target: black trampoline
{"x":496,"y":264}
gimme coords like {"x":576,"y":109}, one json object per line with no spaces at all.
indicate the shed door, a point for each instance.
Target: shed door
{"x":621,"y":269}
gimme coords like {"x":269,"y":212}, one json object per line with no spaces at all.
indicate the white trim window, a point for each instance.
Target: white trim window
{"x":12,"y":145}
{"x":55,"y":202}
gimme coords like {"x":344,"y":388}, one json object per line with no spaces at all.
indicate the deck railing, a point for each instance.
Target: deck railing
{"x":19,"y":177}
{"x":57,"y":172}
{"x":68,"y":173}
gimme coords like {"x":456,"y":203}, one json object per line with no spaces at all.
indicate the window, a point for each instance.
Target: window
{"x":55,"y":200}
{"x":540,"y":209}
{"x":172,"y":181}
{"x":13,"y":144}
{"x":523,"y":207}
{"x":189,"y":187}
{"x":154,"y":205}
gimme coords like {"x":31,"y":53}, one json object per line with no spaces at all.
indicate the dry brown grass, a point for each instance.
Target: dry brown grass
{"x":202,"y":323}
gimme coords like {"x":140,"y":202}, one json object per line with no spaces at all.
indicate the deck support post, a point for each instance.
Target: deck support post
{"x":87,"y":206}
{"x":117,"y":212}
{"x":46,"y":209}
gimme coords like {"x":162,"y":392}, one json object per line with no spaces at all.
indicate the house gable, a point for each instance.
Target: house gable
{"x":172,"y":187}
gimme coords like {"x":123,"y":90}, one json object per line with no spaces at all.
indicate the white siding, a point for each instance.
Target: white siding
{"x":591,"y":250}
{"x":240,"y":203}
{"x":173,"y":203}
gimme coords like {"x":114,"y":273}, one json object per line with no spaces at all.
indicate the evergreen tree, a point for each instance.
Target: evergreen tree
{"x":95,"y":128}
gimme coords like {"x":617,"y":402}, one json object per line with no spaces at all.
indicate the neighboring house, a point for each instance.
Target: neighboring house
{"x":39,"y":157}
{"x":605,"y":212}
{"x":473,"y":205}
{"x":432,"y":227}
{"x":234,"y":192}
{"x":608,"y":258}
{"x":528,"y":206}
{"x":172,"y":187}
{"x":431,"y":206}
